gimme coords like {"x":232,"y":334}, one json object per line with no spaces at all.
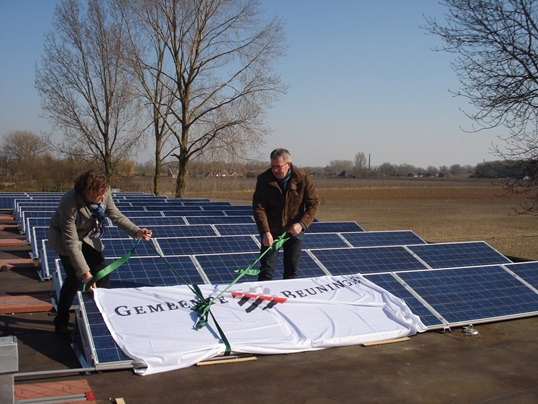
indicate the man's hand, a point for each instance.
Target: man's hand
{"x":295,"y":229}
{"x":267,"y":239}
{"x":144,"y":234}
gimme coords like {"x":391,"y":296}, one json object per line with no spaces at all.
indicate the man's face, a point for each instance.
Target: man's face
{"x":279,"y":167}
{"x":96,"y":196}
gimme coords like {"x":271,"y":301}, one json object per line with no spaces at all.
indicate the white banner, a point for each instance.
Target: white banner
{"x":156,"y":326}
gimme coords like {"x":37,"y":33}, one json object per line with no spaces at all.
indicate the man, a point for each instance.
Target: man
{"x":285,"y":199}
{"x":75,"y":234}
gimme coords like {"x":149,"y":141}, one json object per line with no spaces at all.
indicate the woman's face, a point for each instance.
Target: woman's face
{"x":96,"y":196}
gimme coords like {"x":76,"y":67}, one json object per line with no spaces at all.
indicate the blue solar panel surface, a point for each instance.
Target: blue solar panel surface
{"x":464,"y":295}
{"x":382,"y":238}
{"x":236,"y":229}
{"x":154,"y":271}
{"x":367,"y":260}
{"x":453,"y":255}
{"x":207,"y":245}
{"x":106,"y":349}
{"x":220,"y":268}
{"x":528,"y":271}
{"x":323,"y":240}
{"x":218,"y":219}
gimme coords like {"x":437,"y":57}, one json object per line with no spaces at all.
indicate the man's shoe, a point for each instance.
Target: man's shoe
{"x":62,"y":330}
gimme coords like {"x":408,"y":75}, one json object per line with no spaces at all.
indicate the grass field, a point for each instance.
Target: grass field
{"x":436,"y":209}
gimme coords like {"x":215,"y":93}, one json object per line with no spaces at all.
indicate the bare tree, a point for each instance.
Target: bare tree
{"x":216,"y":71}
{"x":83,"y":85}
{"x":21,"y":148}
{"x":360,"y":162}
{"x":497,"y":64}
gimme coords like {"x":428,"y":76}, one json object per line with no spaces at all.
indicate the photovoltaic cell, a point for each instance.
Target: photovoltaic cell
{"x":117,"y":247}
{"x":382,"y":238}
{"x":469,"y":295}
{"x":528,"y":271}
{"x":391,"y":284}
{"x":207,"y":245}
{"x":236,"y":229}
{"x":220,"y":268}
{"x":192,"y":213}
{"x":218,"y":219}
{"x":453,"y":255}
{"x":367,"y":260}
{"x":154,"y":221}
{"x":154,"y":271}
{"x":323,"y":240}
{"x":333,"y":227}
{"x":180,"y":230}
{"x":105,"y":348}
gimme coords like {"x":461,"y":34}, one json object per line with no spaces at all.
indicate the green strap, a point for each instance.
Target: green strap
{"x":110,"y":268}
{"x":203,"y":308}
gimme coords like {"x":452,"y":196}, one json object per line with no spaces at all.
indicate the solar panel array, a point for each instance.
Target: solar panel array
{"x":446,"y":284}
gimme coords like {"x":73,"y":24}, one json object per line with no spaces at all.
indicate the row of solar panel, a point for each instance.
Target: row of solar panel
{"x":7,"y":199}
{"x":40,"y":233}
{"x":215,"y":259}
{"x":145,"y":218}
{"x":442,"y":298}
{"x":239,"y":242}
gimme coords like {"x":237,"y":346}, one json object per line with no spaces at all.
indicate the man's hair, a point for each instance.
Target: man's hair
{"x":281,"y":153}
{"x":92,"y":181}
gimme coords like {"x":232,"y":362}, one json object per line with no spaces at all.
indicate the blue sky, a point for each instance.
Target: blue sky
{"x":362,"y":78}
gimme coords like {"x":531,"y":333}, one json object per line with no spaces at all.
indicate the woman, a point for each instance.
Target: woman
{"x":75,"y":234}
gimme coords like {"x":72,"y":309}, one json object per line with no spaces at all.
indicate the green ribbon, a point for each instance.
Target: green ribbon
{"x":203,"y":307}
{"x":110,"y":268}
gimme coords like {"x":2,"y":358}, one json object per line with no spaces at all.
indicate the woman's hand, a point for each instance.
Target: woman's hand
{"x":86,"y":278}
{"x":144,"y":234}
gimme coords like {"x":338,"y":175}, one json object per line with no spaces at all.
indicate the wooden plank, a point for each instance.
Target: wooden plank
{"x":224,"y":360}
{"x":387,"y":341}
{"x":44,"y":391}
{"x":37,"y":303}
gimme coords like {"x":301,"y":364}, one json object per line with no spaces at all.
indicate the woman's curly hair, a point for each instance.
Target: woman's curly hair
{"x":91,"y":181}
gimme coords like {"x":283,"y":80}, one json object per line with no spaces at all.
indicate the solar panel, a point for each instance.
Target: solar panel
{"x":218,"y":219}
{"x":192,"y":213}
{"x":167,"y":230}
{"x":154,"y":271}
{"x":48,"y":257}
{"x":141,"y":213}
{"x":323,"y":240}
{"x":382,"y":238}
{"x":154,"y":221}
{"x":145,"y":271}
{"x":92,"y":333}
{"x":333,"y":227}
{"x":220,"y":268}
{"x":367,"y":260}
{"x":37,"y":234}
{"x":528,"y":271}
{"x":117,"y":247}
{"x":207,"y":245}
{"x":452,"y":255}
{"x":388,"y":282}
{"x":473,"y":294}
{"x":236,"y":229}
